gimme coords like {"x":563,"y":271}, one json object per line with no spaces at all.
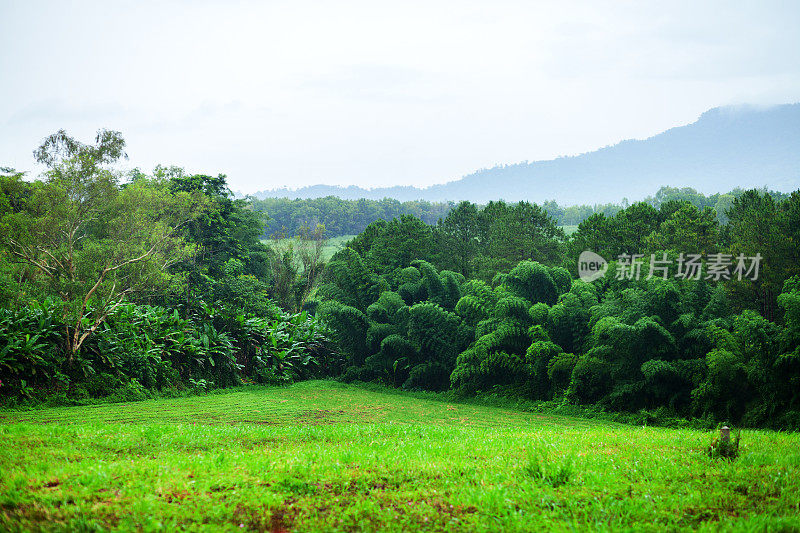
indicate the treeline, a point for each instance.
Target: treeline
{"x":121,"y":285}
{"x":349,"y":217}
{"x":415,"y":306}
{"x":340,"y":217}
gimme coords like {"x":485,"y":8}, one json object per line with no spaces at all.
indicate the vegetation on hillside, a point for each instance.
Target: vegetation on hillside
{"x":119,"y":285}
{"x":485,"y":301}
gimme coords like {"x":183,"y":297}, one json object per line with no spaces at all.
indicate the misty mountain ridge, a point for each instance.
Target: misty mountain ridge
{"x":727,"y":147}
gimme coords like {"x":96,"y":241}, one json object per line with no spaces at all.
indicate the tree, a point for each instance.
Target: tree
{"x":533,"y":282}
{"x":227,"y":229}
{"x":401,"y":241}
{"x":624,"y":233}
{"x":457,"y":236}
{"x":310,"y":245}
{"x":686,"y":230}
{"x":760,"y":225}
{"x":523,"y":231}
{"x":93,"y":242}
{"x":296,"y":265}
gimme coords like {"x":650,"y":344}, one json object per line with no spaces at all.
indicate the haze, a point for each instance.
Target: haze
{"x":295,"y":93}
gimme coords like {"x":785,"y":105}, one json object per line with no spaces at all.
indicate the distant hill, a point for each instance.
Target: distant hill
{"x":727,"y":147}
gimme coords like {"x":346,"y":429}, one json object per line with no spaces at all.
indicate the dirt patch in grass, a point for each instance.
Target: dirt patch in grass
{"x":263,"y":519}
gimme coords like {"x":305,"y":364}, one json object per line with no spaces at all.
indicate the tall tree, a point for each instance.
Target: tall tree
{"x":523,"y":231}
{"x":457,"y":237}
{"x":93,"y":242}
{"x":759,"y":225}
{"x":686,"y":230}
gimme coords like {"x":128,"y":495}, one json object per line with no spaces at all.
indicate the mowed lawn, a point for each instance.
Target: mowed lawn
{"x":321,"y":456}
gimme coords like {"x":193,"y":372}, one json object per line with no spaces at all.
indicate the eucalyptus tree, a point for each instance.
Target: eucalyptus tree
{"x":90,"y":240}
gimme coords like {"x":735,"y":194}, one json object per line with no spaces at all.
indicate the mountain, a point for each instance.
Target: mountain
{"x":727,"y":147}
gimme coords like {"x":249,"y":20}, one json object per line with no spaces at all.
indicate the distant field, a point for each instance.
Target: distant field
{"x":569,"y":229}
{"x":333,"y":245}
{"x":321,"y":456}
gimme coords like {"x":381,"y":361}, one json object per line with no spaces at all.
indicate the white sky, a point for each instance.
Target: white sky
{"x":290,"y":93}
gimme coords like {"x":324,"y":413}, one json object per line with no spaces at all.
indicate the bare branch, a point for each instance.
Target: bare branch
{"x":99,"y":320}
{"x":47,"y":252}
{"x":23,"y":253}
{"x":152,"y":249}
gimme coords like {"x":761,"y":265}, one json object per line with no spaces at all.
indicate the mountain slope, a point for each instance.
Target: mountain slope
{"x":728,"y":147}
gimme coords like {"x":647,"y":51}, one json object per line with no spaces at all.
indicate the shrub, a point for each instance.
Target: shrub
{"x":591,"y":380}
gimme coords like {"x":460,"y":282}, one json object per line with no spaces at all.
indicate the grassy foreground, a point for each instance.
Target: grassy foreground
{"x":322,"y":456}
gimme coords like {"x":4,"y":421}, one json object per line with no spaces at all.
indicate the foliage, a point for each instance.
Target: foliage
{"x":120,"y":285}
{"x":153,"y":348}
{"x":117,"y":284}
{"x":89,"y":241}
{"x":340,"y":217}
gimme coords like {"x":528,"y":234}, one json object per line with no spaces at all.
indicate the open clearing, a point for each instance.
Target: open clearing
{"x":321,"y":456}
{"x":333,"y":244}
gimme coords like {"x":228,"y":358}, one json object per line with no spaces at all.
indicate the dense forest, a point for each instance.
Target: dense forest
{"x":340,"y":217}
{"x":127,"y":285}
{"x":287,"y":217}
{"x":487,"y":301}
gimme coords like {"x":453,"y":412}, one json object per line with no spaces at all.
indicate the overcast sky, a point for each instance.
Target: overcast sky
{"x":374,"y":93}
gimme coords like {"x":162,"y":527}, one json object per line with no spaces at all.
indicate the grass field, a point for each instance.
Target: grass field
{"x":321,"y":456}
{"x":570,"y":229}
{"x":333,"y":245}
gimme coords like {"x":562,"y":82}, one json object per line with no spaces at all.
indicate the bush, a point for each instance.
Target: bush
{"x":132,"y":391}
{"x":428,"y":376}
{"x":142,"y":348}
{"x":591,"y":380}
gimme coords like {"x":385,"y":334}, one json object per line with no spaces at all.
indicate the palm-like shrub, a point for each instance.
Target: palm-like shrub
{"x":393,"y":361}
{"x":513,"y":309}
{"x":141,"y":347}
{"x":348,"y":280}
{"x":538,"y":359}
{"x":559,"y":371}
{"x":669,"y":383}
{"x":435,"y":331}
{"x":389,"y":308}
{"x":590,"y":381}
{"x":472,"y":309}
{"x":568,"y":322}
{"x":377,"y":332}
{"x":533,"y":282}
{"x":348,"y":328}
{"x":29,"y":347}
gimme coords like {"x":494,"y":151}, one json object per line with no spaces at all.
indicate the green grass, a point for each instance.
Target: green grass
{"x":333,"y":245}
{"x":570,"y":229}
{"x":321,"y":456}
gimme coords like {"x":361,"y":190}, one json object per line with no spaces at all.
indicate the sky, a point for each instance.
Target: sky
{"x":293,"y":93}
